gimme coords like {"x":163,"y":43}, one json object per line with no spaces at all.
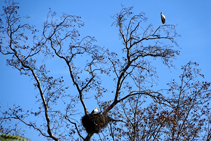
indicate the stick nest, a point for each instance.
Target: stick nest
{"x":93,"y":123}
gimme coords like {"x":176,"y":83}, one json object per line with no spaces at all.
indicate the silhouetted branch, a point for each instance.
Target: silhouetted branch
{"x":30,"y":125}
{"x":75,"y":126}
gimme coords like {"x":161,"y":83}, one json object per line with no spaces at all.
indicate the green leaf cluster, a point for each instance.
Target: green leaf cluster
{"x":6,"y":137}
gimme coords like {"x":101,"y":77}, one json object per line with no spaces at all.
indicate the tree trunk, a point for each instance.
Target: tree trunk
{"x":88,"y":137}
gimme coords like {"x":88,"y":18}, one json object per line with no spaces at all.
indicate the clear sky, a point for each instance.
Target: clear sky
{"x":192,"y":18}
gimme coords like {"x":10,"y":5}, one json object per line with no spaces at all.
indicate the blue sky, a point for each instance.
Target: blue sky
{"x":191,"y":17}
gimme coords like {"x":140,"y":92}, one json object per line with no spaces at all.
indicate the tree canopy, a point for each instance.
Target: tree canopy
{"x":4,"y":137}
{"x":135,"y":109}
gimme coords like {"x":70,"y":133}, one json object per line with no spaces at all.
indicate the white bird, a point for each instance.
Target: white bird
{"x":163,"y":18}
{"x":95,"y":111}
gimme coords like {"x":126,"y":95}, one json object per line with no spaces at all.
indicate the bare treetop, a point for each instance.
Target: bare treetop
{"x":177,"y":113}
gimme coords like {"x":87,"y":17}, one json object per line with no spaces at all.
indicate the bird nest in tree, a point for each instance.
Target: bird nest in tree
{"x":93,"y":123}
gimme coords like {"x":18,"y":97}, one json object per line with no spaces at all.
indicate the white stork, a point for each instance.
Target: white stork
{"x":163,"y":18}
{"x":95,"y":111}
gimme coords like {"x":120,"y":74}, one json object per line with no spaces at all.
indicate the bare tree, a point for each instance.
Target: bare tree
{"x":184,"y":115}
{"x":170,"y":118}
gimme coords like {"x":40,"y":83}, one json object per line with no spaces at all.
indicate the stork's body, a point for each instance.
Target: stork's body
{"x":95,"y":111}
{"x":163,"y":18}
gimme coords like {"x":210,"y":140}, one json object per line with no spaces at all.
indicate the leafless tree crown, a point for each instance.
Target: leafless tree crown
{"x":177,"y":113}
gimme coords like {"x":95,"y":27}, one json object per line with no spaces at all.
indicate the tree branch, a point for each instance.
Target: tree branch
{"x":75,"y":127}
{"x":30,"y":125}
{"x":37,"y":81}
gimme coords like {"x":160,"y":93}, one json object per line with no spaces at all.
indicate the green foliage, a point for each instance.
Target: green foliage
{"x":5,"y":137}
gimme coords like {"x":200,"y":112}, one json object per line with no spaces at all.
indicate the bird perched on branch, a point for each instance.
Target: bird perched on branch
{"x":163,"y":18}
{"x":95,"y":111}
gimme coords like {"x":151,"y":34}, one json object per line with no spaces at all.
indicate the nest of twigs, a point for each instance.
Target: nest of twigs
{"x":93,"y":123}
